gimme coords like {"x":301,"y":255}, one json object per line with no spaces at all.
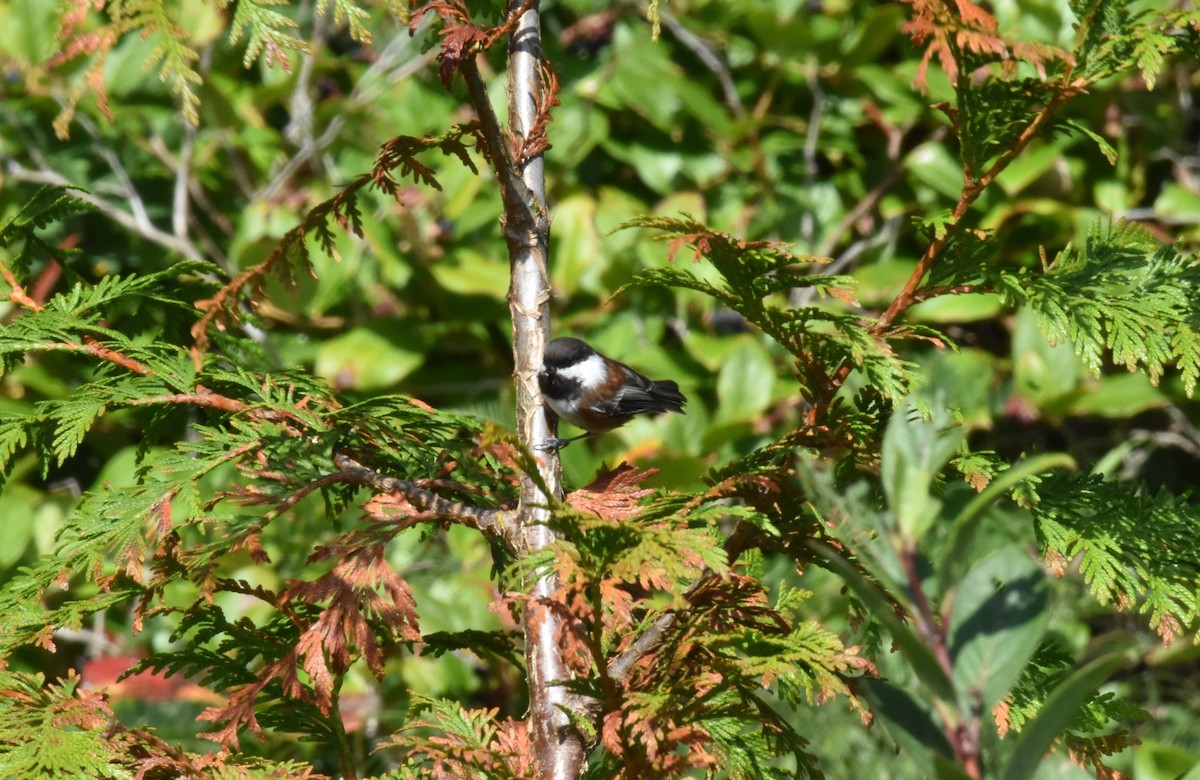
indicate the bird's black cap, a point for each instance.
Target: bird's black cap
{"x":566,"y":351}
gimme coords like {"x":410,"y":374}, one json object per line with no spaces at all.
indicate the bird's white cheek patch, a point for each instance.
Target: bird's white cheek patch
{"x":588,"y":373}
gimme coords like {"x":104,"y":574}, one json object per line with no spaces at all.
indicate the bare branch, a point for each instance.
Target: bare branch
{"x":181,"y":211}
{"x":559,"y":744}
{"x":525,"y":214}
{"x":299,"y":129}
{"x":203,"y":397}
{"x":395,"y":63}
{"x":973,"y":187}
{"x":710,"y":55}
{"x":971,"y":191}
{"x":495,"y":521}
{"x":17,"y":293}
{"x":131,"y":221}
{"x":811,"y":140}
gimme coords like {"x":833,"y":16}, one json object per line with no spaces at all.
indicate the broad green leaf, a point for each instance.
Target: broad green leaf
{"x":935,"y":167}
{"x":745,"y":383}
{"x":964,"y":381}
{"x":911,"y":722}
{"x":918,"y":654}
{"x":27,"y":29}
{"x":472,"y":273}
{"x":1178,"y":202}
{"x":1030,"y":167}
{"x":1041,"y":372}
{"x":914,"y":452}
{"x":1120,"y":396}
{"x":18,"y":508}
{"x":1000,"y":613}
{"x":1155,"y":760}
{"x":957,"y":308}
{"x":578,"y":251}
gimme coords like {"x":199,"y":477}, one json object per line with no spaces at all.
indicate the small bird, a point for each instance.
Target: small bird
{"x":596,"y":393}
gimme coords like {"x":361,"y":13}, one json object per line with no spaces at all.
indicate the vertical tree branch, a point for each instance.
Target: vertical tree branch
{"x":560,"y":746}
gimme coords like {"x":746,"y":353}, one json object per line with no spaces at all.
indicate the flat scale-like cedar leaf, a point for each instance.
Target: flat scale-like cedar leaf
{"x":1122,"y":294}
{"x":613,"y":495}
{"x":1065,"y":700}
{"x":1131,"y":546}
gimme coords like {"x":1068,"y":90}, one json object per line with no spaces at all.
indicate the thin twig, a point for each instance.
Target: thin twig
{"x":204,"y":398}
{"x":143,"y":227}
{"x":386,"y":70}
{"x":710,"y":56}
{"x":811,"y":138}
{"x":970,"y":193}
{"x":523,"y":212}
{"x":963,"y":734}
{"x":886,"y":236}
{"x":299,"y":129}
{"x":104,"y":353}
{"x":17,"y":293}
{"x":181,"y":211}
{"x":972,"y":189}
{"x":925,"y":293}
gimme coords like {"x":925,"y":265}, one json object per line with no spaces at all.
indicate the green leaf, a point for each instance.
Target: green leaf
{"x":1119,"y":396}
{"x":914,"y":452}
{"x":1101,"y":142}
{"x":27,"y":29}
{"x":365,"y":359}
{"x":910,"y":721}
{"x":745,"y":383}
{"x":578,"y":255}
{"x":1178,"y":202}
{"x":999,"y":615}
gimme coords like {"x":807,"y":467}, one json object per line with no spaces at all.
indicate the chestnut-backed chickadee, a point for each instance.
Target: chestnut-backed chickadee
{"x":596,"y":393}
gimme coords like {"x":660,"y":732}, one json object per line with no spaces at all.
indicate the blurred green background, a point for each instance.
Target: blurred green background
{"x":785,"y":120}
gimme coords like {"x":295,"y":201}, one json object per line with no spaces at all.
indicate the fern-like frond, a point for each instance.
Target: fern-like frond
{"x":172,"y":56}
{"x":753,"y":274}
{"x":1100,"y":728}
{"x":993,"y":113}
{"x":48,"y":204}
{"x":1122,"y":294}
{"x":268,"y":32}
{"x":348,"y":13}
{"x":1114,"y":35}
{"x":292,"y":252}
{"x":56,"y":731}
{"x":446,"y":738}
{"x":1134,"y":548}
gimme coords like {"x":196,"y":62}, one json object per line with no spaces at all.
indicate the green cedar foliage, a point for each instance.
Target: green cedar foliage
{"x":1120,"y":294}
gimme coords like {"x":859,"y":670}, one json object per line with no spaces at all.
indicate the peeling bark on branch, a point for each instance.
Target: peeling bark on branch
{"x":498,"y":521}
{"x":560,"y":747}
